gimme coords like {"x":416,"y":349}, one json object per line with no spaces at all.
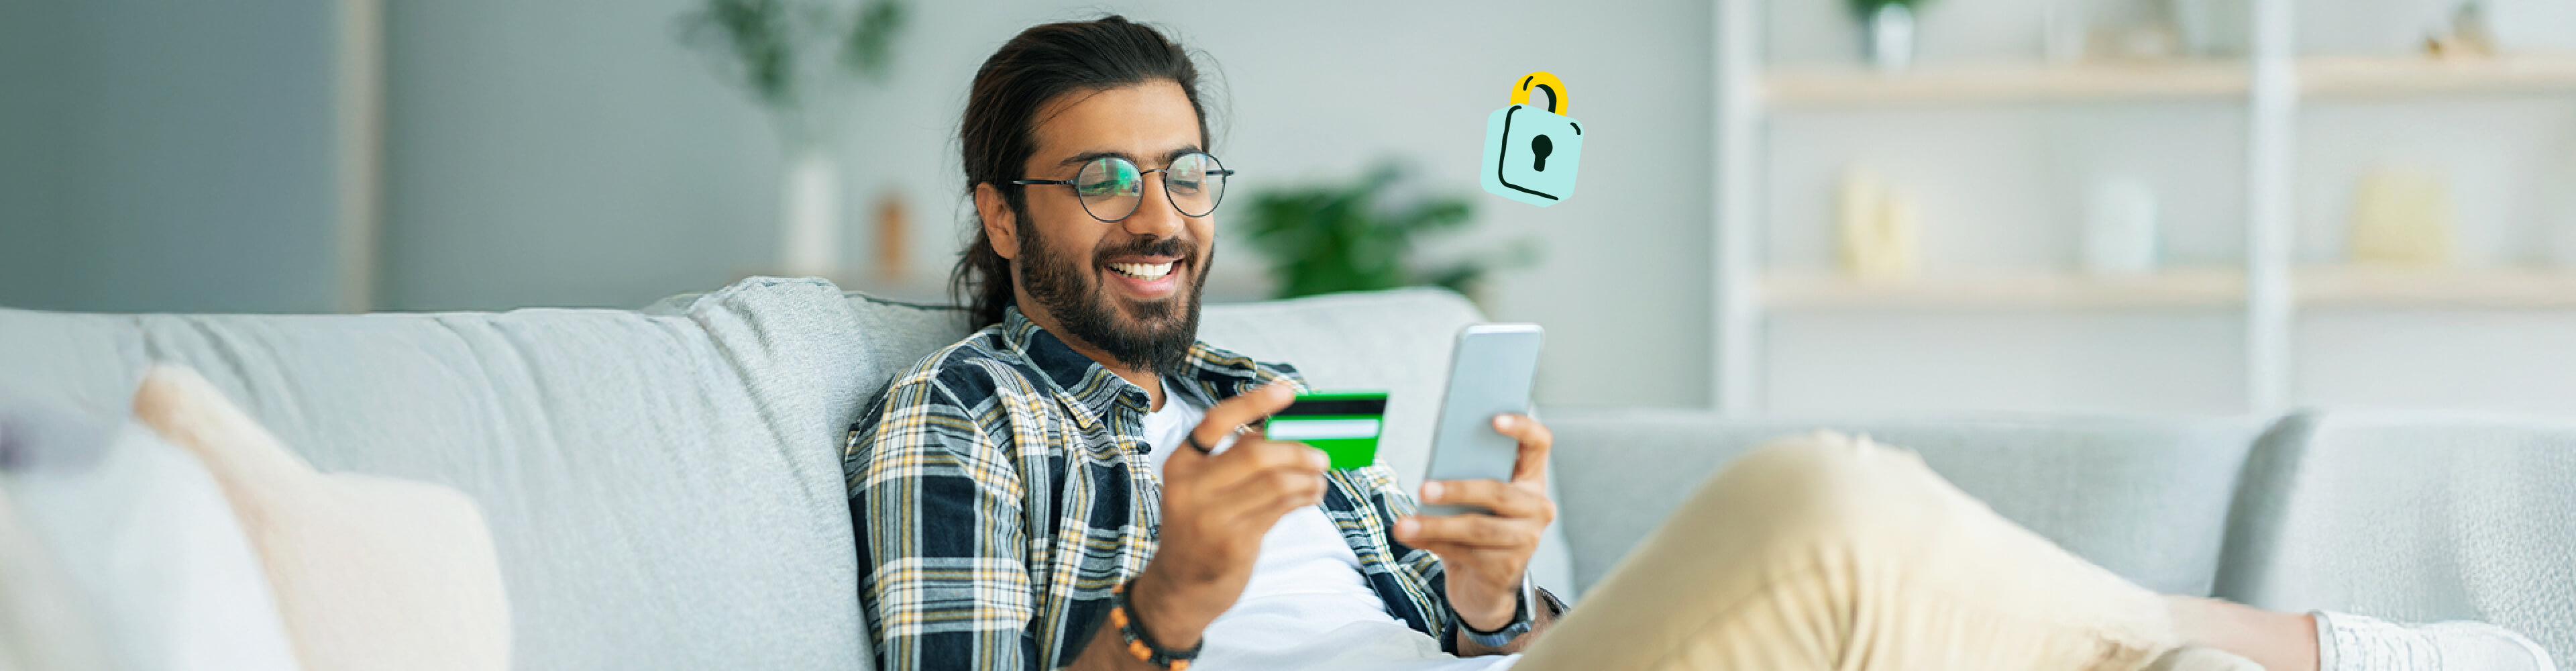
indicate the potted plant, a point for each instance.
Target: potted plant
{"x":1350,"y":237}
{"x":801,"y":60}
{"x":1887,"y":31}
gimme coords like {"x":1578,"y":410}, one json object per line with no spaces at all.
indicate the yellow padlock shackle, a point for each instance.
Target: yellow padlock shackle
{"x":1556,"y":103}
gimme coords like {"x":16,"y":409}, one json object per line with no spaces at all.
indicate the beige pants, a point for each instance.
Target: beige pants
{"x":1829,"y":552}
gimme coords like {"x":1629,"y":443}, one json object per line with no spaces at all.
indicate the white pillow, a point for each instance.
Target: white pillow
{"x":370,"y":572}
{"x":117,"y":550}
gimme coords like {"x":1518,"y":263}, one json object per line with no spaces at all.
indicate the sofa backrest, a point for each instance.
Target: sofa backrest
{"x":2144,"y":497}
{"x":2413,"y":516}
{"x":655,"y":501}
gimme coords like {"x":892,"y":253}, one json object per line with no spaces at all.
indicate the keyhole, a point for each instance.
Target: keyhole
{"x":1540,"y":147}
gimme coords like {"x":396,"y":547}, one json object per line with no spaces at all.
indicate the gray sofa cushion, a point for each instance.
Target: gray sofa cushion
{"x":2146,"y":498}
{"x":2413,"y":516}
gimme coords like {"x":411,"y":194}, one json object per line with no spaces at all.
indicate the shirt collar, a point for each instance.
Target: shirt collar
{"x":1214,"y":374}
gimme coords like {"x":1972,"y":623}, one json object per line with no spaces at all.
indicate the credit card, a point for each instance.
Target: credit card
{"x":1344,"y":424}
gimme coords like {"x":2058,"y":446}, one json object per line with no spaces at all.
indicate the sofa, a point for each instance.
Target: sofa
{"x":663,"y":485}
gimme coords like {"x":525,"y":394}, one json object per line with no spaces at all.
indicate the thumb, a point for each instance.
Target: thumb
{"x":1251,"y":406}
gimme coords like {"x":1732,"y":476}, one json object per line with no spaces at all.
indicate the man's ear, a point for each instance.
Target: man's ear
{"x":999,"y":226}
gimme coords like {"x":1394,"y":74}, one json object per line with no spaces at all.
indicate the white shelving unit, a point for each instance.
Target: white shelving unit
{"x":2270,"y":83}
{"x":2491,"y":289}
{"x":1823,"y":86}
{"x":2198,"y":287}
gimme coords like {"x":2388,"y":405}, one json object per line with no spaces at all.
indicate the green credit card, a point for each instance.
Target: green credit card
{"x":1344,"y":424}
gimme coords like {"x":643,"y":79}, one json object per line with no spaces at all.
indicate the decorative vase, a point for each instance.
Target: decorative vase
{"x":2403,"y":217}
{"x":1879,"y":229}
{"x":891,"y":247}
{"x":1890,"y":36}
{"x":809,"y":213}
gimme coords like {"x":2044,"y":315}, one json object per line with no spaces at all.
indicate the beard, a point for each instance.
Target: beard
{"x":1153,"y":335}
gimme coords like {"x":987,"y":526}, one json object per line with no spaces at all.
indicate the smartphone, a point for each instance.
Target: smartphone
{"x":1489,"y":375}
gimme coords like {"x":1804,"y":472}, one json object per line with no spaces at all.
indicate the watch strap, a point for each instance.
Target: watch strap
{"x":1520,"y":623}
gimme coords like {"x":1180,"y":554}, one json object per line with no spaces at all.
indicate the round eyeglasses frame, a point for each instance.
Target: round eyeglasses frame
{"x":1220,"y":173}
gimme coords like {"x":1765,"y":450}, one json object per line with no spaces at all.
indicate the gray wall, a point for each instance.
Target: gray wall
{"x":576,"y":154}
{"x":31,"y":226}
{"x":564,"y":154}
{"x":168,"y":156}
{"x":1321,"y":92}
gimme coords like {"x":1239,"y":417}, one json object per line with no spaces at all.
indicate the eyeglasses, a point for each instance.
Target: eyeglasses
{"x":1111,"y":187}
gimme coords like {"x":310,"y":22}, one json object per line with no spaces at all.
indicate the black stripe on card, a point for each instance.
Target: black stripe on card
{"x":1371,"y":406}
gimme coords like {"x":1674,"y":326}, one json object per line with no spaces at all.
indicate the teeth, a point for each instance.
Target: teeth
{"x":1143,"y":270}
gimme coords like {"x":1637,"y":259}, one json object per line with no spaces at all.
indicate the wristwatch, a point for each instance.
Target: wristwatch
{"x":1521,"y":622}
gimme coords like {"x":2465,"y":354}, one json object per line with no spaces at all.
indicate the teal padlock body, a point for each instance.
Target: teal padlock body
{"x":1532,"y":155}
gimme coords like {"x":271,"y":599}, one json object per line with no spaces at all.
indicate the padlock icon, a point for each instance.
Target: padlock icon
{"x":1532,"y":155}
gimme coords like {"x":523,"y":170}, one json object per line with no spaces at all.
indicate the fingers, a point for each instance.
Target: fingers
{"x":1472,"y":532}
{"x":1253,"y":457}
{"x":1244,"y":408}
{"x":1535,"y":443}
{"x":1255,"y":482}
{"x":1506,"y":500}
{"x":1221,"y":421}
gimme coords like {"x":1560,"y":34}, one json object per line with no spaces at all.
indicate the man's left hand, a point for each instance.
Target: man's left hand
{"x":1485,"y":556}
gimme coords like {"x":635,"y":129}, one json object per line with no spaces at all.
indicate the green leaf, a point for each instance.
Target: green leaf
{"x":1341,"y":237}
{"x":869,"y":48}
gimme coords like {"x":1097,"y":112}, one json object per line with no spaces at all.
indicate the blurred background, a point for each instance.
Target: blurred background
{"x":1788,"y":206}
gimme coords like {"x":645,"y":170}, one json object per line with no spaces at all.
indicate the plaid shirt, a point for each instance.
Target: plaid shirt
{"x":1001,"y":488}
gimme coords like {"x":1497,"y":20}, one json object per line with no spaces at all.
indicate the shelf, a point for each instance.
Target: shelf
{"x":2320,"y":76}
{"x":1819,"y":85}
{"x":2000,"y":290}
{"x":2402,"y":76}
{"x":2361,"y":286}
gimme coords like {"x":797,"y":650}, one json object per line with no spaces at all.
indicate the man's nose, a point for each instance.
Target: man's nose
{"x":1155,"y":216}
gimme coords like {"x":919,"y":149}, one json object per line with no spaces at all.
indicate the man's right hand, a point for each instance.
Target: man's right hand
{"x":1216,"y":508}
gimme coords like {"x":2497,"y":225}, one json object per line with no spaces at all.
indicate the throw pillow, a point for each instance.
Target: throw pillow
{"x":370,"y":572}
{"x":117,"y":551}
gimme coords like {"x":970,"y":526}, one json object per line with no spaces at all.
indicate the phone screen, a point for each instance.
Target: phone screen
{"x":1489,"y":375}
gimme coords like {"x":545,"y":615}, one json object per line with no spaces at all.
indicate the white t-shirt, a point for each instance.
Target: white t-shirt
{"x":1306,"y":605}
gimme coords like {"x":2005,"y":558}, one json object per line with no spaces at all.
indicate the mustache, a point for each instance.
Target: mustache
{"x":1176,"y":246}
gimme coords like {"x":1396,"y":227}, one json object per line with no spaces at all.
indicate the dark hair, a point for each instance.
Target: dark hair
{"x":998,"y":134}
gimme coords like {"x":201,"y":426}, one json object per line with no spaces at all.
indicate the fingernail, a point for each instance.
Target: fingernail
{"x":1319,"y":459}
{"x":1404,"y":527}
{"x":1430,"y":492}
{"x":1503,"y":421}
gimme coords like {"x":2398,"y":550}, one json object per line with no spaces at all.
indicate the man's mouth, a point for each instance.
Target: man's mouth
{"x":1143,"y":271}
{"x":1144,"y":277}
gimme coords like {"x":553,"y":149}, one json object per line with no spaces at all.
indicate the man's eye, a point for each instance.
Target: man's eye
{"x":1183,"y":185}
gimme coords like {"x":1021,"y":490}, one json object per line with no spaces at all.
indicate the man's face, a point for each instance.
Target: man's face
{"x":1129,"y":288}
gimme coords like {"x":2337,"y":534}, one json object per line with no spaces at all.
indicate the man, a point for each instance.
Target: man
{"x":1073,"y":485}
